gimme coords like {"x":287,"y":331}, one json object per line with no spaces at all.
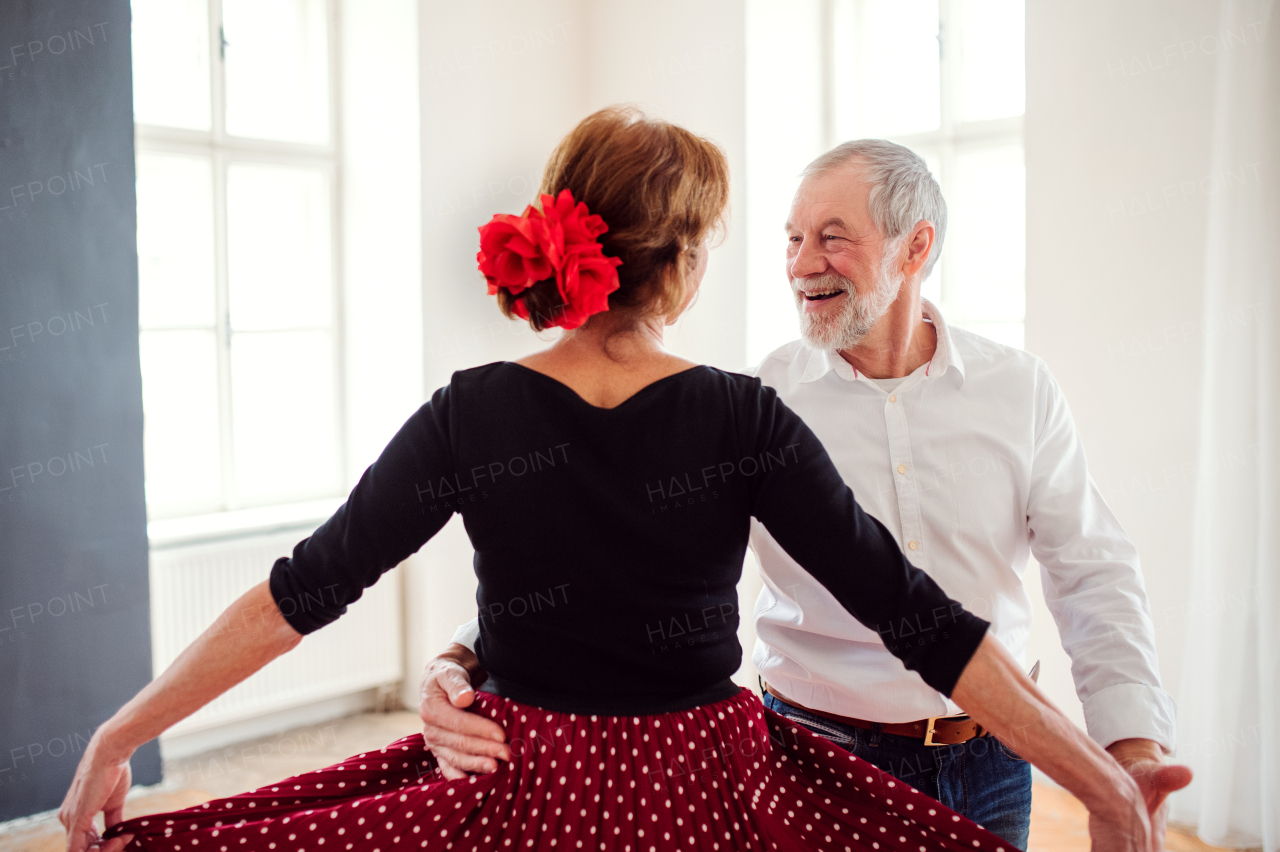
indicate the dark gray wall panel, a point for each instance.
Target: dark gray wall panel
{"x":74,"y":609}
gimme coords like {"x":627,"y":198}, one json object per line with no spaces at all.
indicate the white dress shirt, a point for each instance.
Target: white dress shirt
{"x":974,"y":464}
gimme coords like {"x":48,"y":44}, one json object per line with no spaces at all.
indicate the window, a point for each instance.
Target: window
{"x":234,"y":104}
{"x":946,"y":78}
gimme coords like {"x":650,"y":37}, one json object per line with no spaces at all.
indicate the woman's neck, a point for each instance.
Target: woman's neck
{"x":616,"y":338}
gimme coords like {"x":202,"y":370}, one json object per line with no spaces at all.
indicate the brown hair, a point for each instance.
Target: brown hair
{"x":659,"y":188}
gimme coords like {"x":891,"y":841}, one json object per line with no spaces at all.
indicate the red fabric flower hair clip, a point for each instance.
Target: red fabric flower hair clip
{"x":559,"y":241}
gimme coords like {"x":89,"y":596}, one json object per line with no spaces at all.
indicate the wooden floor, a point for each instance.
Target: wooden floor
{"x":1058,"y":820}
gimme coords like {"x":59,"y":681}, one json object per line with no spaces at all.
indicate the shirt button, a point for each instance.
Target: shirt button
{"x":902,"y":468}
{"x":913,"y":544}
{"x":893,"y":397}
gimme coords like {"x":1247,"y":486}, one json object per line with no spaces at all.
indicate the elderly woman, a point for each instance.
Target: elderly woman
{"x":607,"y":487}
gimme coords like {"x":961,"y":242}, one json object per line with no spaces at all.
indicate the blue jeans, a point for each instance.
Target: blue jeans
{"x":982,"y":779}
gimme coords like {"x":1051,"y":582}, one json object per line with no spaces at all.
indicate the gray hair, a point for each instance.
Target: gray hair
{"x":903,"y":192}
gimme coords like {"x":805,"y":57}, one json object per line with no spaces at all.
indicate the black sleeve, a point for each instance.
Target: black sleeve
{"x":383,"y":521}
{"x":806,"y":506}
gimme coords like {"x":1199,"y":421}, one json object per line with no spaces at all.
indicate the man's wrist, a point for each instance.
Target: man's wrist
{"x":466,"y":658}
{"x":1128,"y":752}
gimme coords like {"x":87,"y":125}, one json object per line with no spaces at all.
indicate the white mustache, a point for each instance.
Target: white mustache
{"x":822,"y":284}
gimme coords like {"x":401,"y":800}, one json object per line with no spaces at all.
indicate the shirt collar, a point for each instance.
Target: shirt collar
{"x":945,"y":355}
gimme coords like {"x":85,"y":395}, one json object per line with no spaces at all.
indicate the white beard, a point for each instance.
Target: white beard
{"x":858,"y":315}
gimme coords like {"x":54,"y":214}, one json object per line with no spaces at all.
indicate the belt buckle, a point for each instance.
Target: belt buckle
{"x":928,"y":730}
{"x":929,"y":727}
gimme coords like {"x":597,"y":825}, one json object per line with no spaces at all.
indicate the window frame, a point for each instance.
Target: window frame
{"x":222,"y":150}
{"x":948,"y":141}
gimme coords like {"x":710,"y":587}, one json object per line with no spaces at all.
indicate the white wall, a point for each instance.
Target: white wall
{"x":1116,"y":129}
{"x":685,"y":62}
{"x":381,"y":254}
{"x":381,"y":227}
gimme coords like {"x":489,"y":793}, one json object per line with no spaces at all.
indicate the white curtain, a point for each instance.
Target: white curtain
{"x":1229,"y":706}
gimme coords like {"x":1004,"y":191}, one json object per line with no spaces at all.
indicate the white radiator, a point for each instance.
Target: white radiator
{"x":192,"y":584}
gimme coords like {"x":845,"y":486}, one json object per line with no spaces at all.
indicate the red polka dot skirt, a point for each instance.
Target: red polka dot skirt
{"x":724,"y":776}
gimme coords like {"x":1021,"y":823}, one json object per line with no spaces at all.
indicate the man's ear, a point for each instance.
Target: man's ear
{"x":919,"y":244}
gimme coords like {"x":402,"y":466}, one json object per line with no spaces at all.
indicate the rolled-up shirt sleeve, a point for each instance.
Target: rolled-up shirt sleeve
{"x":467,"y":635}
{"x":1093,"y":585}
{"x":389,"y":515}
{"x":809,"y":510}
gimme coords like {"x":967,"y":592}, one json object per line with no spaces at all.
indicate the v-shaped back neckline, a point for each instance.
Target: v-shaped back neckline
{"x":577,"y":396}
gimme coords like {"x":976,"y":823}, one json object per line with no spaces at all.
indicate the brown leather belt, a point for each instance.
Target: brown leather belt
{"x":934,"y":731}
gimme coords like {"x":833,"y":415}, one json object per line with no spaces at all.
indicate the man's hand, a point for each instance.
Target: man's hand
{"x":1144,"y":761}
{"x":462,"y":742}
{"x":995,"y":692}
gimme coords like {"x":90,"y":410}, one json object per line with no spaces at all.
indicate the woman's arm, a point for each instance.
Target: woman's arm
{"x":247,"y":636}
{"x":383,"y":521}
{"x":993,"y":690}
{"x":810,"y":511}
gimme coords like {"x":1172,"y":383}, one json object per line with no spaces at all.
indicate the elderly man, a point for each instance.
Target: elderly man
{"x":966,"y":451}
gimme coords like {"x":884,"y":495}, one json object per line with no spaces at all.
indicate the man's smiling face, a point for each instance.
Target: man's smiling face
{"x":843,"y":272}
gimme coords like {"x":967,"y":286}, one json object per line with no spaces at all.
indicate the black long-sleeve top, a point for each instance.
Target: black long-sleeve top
{"x":609,"y":542}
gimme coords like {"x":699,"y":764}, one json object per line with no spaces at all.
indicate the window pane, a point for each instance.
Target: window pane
{"x":986,"y":238}
{"x":893,"y":55}
{"x":278,"y":248}
{"x":277,"y":69}
{"x":286,"y":445}
{"x":171,"y":63}
{"x":180,"y":433}
{"x":992,"y":68}
{"x":175,"y":241}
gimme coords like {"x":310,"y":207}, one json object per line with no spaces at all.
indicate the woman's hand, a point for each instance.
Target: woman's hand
{"x":101,"y":782}
{"x":249,"y":634}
